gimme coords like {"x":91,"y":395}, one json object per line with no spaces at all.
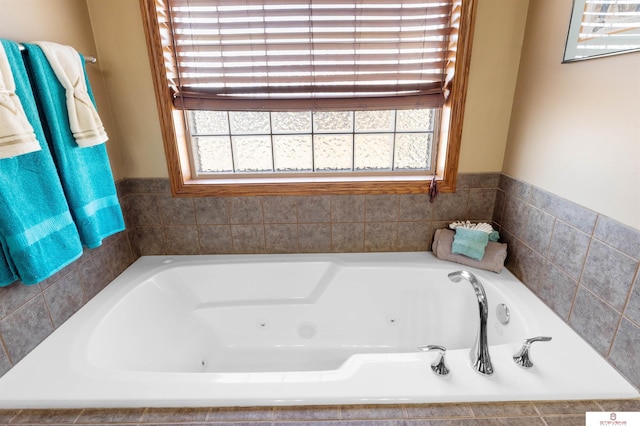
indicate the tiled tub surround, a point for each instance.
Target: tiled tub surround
{"x":550,"y":244}
{"x":159,"y":224}
{"x":583,"y":265}
{"x":194,"y":331}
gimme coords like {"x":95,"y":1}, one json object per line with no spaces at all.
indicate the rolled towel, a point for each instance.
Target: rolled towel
{"x":494,"y":254}
{"x":482,"y":226}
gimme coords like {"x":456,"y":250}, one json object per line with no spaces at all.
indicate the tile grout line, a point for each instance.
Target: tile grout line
{"x":624,"y":308}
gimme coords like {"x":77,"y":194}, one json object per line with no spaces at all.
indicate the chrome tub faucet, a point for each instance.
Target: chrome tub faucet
{"x":480,"y":358}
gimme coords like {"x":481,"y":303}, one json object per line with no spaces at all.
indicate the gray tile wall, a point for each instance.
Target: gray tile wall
{"x":160,"y":224}
{"x":583,"y":265}
{"x":28,"y":314}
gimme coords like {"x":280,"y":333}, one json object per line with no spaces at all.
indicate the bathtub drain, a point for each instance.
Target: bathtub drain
{"x":307,"y":330}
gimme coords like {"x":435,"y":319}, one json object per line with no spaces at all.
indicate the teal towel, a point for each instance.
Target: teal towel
{"x":85,"y":172}
{"x":36,"y":228}
{"x":470,"y":242}
{"x":8,"y":273}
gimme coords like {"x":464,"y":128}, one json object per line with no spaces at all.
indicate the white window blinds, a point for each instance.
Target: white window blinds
{"x":308,"y":54}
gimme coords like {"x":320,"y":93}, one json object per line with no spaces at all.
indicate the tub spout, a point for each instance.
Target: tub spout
{"x":480,"y":359}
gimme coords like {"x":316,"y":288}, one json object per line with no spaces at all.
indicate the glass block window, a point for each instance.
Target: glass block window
{"x":258,"y":142}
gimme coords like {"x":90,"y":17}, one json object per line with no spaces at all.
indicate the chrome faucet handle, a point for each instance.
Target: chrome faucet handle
{"x":438,"y":367}
{"x":522,"y":357}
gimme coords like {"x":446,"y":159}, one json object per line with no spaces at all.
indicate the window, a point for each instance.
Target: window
{"x":301,"y":143}
{"x":309,"y":96}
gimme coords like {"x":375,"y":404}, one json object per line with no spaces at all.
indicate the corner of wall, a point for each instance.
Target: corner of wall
{"x":585,"y":266}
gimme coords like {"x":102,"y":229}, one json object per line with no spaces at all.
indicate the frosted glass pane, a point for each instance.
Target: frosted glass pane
{"x":333,"y":122}
{"x":252,"y":153}
{"x":249,"y":122}
{"x":375,"y":121}
{"x":412,"y":150}
{"x":293,"y":153}
{"x":209,"y":123}
{"x":333,"y":152}
{"x":291,"y":122}
{"x":373,"y":152}
{"x":305,"y":141}
{"x":412,"y":120}
{"x":213,"y":154}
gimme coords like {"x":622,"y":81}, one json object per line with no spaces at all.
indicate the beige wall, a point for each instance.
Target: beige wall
{"x":575,"y":128}
{"x":65,"y":22}
{"x":492,"y":80}
{"x":119,"y":36}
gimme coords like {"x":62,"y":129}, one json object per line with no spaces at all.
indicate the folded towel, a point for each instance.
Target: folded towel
{"x":482,"y":226}
{"x":493,"y":260}
{"x":470,"y":243}
{"x":85,"y":172}
{"x":16,"y":133}
{"x":36,"y":228}
{"x":68,"y":66}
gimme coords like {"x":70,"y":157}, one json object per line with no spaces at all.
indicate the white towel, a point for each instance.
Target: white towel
{"x":84,"y":120}
{"x":16,"y":133}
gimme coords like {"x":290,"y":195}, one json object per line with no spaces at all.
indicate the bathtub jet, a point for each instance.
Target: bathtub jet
{"x":304,"y":329}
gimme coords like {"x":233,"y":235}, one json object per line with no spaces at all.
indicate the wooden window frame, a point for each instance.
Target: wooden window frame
{"x":172,"y":122}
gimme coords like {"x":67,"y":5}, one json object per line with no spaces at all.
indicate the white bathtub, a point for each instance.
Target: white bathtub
{"x":301,"y":329}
